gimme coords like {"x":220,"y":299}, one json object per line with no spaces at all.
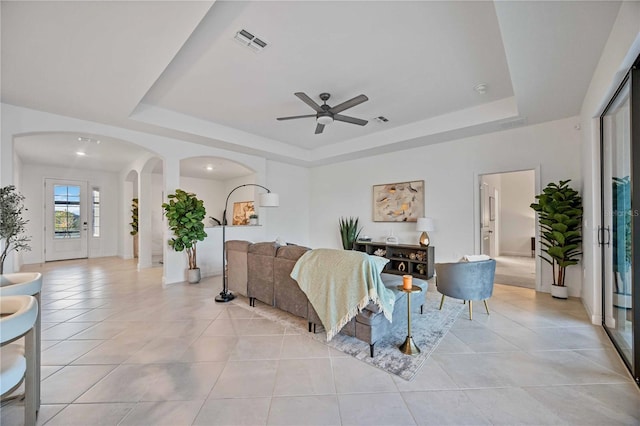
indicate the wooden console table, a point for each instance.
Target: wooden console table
{"x":404,"y":259}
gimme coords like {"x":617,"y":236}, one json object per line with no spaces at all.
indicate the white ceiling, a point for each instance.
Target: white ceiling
{"x":172,"y":68}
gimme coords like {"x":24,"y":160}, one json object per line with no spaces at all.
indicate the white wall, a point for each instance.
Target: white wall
{"x":517,"y":219}
{"x":450,"y":171}
{"x":290,"y":221}
{"x":33,"y":176}
{"x":621,"y":49}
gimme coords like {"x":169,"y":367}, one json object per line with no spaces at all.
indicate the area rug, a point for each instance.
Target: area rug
{"x":428,"y":330}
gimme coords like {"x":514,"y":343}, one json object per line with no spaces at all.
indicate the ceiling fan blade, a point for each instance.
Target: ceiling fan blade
{"x":295,"y":116}
{"x":349,"y":104}
{"x":351,"y":120}
{"x":319,"y":128}
{"x":307,"y":100}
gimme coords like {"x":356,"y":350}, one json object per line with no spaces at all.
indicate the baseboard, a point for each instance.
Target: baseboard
{"x":515,"y":253}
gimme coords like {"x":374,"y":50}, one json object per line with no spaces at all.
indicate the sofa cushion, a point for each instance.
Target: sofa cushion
{"x":260,"y":276}
{"x":288,"y":295}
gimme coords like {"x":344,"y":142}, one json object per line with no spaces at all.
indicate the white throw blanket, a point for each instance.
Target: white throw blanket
{"x":341,"y":283}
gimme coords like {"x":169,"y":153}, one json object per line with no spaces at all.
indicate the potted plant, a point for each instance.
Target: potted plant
{"x":12,"y":224}
{"x":185,"y":213}
{"x":349,"y":232}
{"x":253,"y":219}
{"x":559,"y":209}
{"x":134,"y":225}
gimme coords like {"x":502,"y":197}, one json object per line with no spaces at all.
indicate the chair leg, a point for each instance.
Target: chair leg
{"x":442,"y":302}
{"x":470,"y":310}
{"x":372,"y":349}
{"x":30,"y":405}
{"x":486,"y":306}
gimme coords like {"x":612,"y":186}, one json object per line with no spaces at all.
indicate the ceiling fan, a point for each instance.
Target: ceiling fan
{"x":325,"y":114}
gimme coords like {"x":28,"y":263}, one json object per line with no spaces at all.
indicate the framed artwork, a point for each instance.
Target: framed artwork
{"x":398,"y":202}
{"x":241,"y":212}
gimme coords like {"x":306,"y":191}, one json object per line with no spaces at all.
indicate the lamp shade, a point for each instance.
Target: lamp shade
{"x":269,"y":199}
{"x":424,"y":224}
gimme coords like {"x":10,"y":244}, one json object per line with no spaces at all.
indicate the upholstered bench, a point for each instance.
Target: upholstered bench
{"x":370,"y":325}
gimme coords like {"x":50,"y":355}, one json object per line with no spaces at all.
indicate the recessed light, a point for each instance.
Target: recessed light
{"x":481,"y":88}
{"x":80,"y":153}
{"x":209,"y":167}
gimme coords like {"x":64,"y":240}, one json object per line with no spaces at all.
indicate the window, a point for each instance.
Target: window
{"x":95,"y":211}
{"x":67,"y":211}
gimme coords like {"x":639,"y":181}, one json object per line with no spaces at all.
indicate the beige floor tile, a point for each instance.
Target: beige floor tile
{"x":512,"y":406}
{"x":101,"y":331}
{"x":443,"y":408}
{"x":304,"y":377}
{"x":234,"y":412}
{"x":95,"y":315}
{"x":65,"y":330}
{"x":183,"y":382}
{"x":13,"y":414}
{"x":590,"y":405}
{"x":91,"y":414}
{"x":374,"y":409}
{"x":210,"y":348}
{"x":67,"y":351}
{"x":353,"y":376}
{"x":224,"y":327}
{"x":67,"y":384}
{"x":161,"y":350}
{"x":483,"y":340}
{"x":115,"y":351}
{"x":304,"y":410}
{"x":301,"y":346}
{"x":257,"y":347}
{"x":241,"y":379}
{"x":126,"y":383}
{"x":166,"y":413}
{"x":430,"y":377}
{"x":47,"y":370}
{"x":60,"y":315}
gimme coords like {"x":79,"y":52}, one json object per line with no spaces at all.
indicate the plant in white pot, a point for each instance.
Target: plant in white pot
{"x":185,"y":213}
{"x":12,"y":224}
{"x":559,"y":209}
{"x":134,"y":225}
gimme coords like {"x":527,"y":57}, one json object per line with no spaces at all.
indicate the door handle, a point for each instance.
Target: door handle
{"x":608,"y":243}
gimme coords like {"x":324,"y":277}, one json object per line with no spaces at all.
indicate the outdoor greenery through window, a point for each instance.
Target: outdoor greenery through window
{"x":95,"y":195}
{"x":67,"y":211}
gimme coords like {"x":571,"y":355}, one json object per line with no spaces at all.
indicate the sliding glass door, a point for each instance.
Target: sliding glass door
{"x":620,"y":229}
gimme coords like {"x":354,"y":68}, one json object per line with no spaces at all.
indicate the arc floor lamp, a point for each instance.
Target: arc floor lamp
{"x":268,"y":199}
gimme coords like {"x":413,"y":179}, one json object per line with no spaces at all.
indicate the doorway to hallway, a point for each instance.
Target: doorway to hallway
{"x":507,"y":225}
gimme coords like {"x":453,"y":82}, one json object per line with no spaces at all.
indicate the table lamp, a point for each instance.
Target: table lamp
{"x":424,"y":224}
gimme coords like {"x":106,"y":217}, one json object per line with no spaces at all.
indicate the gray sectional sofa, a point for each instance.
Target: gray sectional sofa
{"x":261,"y":271}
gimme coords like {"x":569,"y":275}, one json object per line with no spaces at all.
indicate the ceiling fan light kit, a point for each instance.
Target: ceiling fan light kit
{"x":325,"y":114}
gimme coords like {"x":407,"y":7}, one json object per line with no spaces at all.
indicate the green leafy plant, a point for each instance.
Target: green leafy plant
{"x":349,"y":232}
{"x":559,"y":209}
{"x":134,"y":216}
{"x":12,"y":224}
{"x":185,"y":213}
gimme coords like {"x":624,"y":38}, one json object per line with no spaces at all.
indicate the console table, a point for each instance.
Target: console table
{"x":404,"y":258}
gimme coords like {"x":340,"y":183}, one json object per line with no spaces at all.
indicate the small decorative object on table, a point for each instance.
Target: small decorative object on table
{"x":412,"y":256}
{"x":402,"y":267}
{"x":253,"y":219}
{"x":380,"y":252}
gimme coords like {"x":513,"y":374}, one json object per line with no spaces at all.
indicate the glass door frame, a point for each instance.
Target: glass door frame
{"x":603,"y":238}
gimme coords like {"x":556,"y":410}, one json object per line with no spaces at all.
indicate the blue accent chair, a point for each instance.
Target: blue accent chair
{"x":466,"y":281}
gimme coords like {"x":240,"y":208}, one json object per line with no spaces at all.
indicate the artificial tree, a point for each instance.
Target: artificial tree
{"x":12,"y":224}
{"x":559,"y":209}
{"x":185,"y":213}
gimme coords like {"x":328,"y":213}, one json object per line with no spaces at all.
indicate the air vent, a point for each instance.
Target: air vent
{"x":249,"y":40}
{"x":381,"y":119}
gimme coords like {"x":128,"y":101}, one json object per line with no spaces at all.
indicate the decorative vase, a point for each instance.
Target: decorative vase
{"x":559,"y":291}
{"x":135,"y":246}
{"x":193,"y":276}
{"x":253,"y":221}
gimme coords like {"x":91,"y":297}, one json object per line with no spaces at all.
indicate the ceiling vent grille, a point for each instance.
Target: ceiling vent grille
{"x":381,"y":119}
{"x":249,"y":40}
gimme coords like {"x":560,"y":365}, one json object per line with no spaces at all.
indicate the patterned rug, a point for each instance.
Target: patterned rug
{"x":428,"y":330}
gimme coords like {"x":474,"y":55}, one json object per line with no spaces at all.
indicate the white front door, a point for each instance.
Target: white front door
{"x":66,"y":221}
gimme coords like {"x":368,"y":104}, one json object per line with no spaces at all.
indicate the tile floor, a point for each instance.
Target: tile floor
{"x":118,"y":349}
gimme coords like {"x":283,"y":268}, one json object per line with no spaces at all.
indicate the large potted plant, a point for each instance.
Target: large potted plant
{"x":134,"y":225}
{"x":12,"y":224}
{"x":559,"y":209}
{"x":185,"y":213}
{"x":349,"y":232}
